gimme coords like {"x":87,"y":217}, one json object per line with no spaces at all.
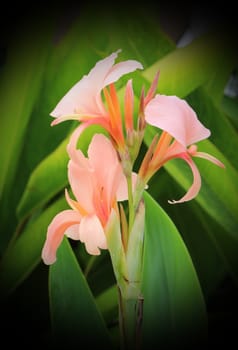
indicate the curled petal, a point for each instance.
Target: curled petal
{"x":175,"y":116}
{"x":55,"y":233}
{"x":92,"y":234}
{"x":210,"y":158}
{"x":120,"y":69}
{"x":194,"y":189}
{"x":76,"y":155}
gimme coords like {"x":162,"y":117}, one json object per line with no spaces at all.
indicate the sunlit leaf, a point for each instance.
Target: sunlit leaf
{"x":186,"y":68}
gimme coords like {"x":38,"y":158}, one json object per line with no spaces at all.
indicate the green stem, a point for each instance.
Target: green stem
{"x":130,"y":203}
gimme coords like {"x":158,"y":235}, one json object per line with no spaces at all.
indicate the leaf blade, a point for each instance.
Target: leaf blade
{"x":174,"y":309}
{"x":74,"y":313}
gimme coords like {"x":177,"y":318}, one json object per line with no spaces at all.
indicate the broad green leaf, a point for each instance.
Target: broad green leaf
{"x":186,"y":68}
{"x":24,"y":254}
{"x":75,"y":317}
{"x":174,"y":309}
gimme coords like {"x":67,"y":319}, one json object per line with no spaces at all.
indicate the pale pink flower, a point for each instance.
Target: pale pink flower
{"x":181,"y":128}
{"x":97,"y":183}
{"x":83,"y":102}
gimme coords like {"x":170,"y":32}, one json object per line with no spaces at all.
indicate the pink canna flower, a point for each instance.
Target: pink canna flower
{"x":83,"y":102}
{"x":97,"y":183}
{"x":181,"y":129}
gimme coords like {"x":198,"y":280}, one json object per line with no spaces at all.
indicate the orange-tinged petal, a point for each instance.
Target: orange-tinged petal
{"x":108,"y":170}
{"x":196,"y":185}
{"x":55,"y":233}
{"x":92,"y":234}
{"x":152,"y":89}
{"x":74,"y":204}
{"x":129,"y":103}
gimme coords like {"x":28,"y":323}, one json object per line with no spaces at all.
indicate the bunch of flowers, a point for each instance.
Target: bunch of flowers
{"x":104,"y":181}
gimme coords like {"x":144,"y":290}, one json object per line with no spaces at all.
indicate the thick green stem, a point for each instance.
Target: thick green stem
{"x":130,"y":320}
{"x":130,"y":203}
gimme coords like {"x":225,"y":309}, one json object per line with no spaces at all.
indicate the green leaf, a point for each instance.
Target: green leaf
{"x":202,"y":234}
{"x":24,"y":254}
{"x":107,"y":303}
{"x":230,"y":107}
{"x":174,"y":309}
{"x":22,"y":77}
{"x":186,"y":68}
{"x":75,"y":317}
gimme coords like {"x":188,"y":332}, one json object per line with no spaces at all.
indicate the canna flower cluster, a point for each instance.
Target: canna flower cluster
{"x":105,"y":178}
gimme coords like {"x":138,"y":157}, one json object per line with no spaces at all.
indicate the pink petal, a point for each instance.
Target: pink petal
{"x":84,"y":96}
{"x":175,"y":116}
{"x":81,"y":182}
{"x":194,"y":189}
{"x":75,"y":154}
{"x":92,"y":234}
{"x":77,"y":116}
{"x":104,"y":160}
{"x":73,"y":232}
{"x":55,"y":233}
{"x":210,"y":158}
{"x":120,"y":69}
